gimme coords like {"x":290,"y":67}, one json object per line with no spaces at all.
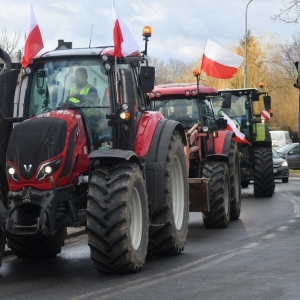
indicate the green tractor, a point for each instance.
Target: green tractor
{"x":256,"y":156}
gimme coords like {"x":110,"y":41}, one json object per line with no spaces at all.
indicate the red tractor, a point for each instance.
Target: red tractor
{"x":212,"y":155}
{"x":104,"y":161}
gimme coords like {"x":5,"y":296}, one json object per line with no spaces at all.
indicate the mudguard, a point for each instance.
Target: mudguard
{"x":156,"y":160}
{"x":111,"y":156}
{"x":222,"y":146}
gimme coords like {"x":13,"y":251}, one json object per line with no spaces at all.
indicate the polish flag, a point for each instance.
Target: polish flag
{"x":124,"y":42}
{"x":218,"y":62}
{"x":239,"y":136}
{"x":33,"y":40}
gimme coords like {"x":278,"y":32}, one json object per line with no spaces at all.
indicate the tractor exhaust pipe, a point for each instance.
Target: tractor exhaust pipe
{"x":7,"y":61}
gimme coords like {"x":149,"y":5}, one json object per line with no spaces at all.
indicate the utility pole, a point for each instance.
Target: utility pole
{"x":246,"y":38}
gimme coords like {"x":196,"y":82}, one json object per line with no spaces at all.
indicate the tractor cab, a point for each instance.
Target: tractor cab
{"x":242,"y":109}
{"x":182,"y":103}
{"x":250,"y":117}
{"x":52,"y":84}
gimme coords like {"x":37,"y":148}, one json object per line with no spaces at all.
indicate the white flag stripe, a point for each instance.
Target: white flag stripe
{"x":233,"y":127}
{"x":32,"y":22}
{"x":129,"y":44}
{"x":221,"y":55}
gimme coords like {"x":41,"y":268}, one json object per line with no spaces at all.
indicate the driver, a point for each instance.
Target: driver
{"x":180,"y":111}
{"x":83,"y":93}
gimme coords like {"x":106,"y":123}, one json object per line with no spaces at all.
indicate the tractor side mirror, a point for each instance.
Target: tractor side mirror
{"x":147,"y":78}
{"x":267,"y":102}
{"x":221,"y":123}
{"x":226,"y":100}
{"x":255,"y":97}
{"x":41,"y":79}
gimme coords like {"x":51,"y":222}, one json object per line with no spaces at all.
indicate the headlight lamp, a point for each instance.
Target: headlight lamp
{"x":12,"y":172}
{"x":48,"y":168}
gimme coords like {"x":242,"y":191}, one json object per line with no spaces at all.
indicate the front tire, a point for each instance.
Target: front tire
{"x":170,"y":221}
{"x":235,"y":181}
{"x":3,"y":193}
{"x":37,"y":246}
{"x":285,"y":180}
{"x":219,"y":194}
{"x":117,"y":218}
{"x":263,"y":176}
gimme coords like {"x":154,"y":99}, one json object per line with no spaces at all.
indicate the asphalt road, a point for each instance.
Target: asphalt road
{"x":256,"y":257}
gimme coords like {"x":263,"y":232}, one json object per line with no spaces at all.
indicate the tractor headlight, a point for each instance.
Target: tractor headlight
{"x":284,"y":164}
{"x":12,"y":172}
{"x":48,"y":169}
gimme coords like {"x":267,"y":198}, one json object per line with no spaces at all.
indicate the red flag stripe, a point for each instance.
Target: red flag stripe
{"x":118,"y":39}
{"x":217,"y":70}
{"x":33,"y":45}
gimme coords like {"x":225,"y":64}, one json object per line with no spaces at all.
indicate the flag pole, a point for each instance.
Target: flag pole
{"x":202,"y":60}
{"x":116,"y":80}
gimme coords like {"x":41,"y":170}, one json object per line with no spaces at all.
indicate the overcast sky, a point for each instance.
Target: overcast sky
{"x":180,"y":27}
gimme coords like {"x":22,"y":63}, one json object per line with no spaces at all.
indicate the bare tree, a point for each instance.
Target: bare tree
{"x":9,"y":42}
{"x":290,"y":12}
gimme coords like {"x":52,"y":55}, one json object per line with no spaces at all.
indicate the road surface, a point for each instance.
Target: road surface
{"x":256,"y":257}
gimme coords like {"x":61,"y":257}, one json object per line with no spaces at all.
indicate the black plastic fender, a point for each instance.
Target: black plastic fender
{"x":112,"y":156}
{"x":155,"y":160}
{"x":265,"y":144}
{"x":227,"y":141}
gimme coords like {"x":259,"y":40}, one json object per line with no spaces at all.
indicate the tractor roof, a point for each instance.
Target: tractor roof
{"x":180,"y":90}
{"x":108,"y":50}
{"x":240,"y":91}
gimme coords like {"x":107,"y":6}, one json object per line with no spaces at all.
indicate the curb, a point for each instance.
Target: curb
{"x":74,"y":233}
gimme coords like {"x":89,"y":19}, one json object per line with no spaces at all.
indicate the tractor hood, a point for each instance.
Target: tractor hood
{"x":55,"y":139}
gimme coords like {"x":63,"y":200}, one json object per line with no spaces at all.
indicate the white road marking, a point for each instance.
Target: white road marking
{"x":250,"y":245}
{"x":135,"y":282}
{"x":269,"y":236}
{"x":282,"y":228}
{"x":292,"y":221}
{"x":296,"y":205}
{"x":178,"y":275}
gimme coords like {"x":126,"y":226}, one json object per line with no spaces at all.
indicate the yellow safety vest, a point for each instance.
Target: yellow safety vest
{"x":84,"y":91}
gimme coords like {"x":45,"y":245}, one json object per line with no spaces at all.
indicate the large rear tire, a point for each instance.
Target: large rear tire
{"x":263,"y":176}
{"x":117,"y":218}
{"x":219,"y":194}
{"x":2,"y":245}
{"x":170,"y":221}
{"x":37,"y":246}
{"x":235,"y":181}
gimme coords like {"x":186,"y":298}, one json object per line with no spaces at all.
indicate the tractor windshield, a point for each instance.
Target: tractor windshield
{"x":239,"y":112}
{"x":79,"y":82}
{"x":181,"y":110}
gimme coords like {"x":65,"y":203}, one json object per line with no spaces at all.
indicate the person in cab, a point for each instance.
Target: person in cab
{"x":83,"y":93}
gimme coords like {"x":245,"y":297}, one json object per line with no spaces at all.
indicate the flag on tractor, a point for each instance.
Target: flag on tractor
{"x":33,"y":40}
{"x":218,"y":62}
{"x":231,"y":126}
{"x":124,"y":42}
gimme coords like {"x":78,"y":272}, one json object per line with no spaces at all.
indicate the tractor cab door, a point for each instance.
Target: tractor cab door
{"x":209,"y":125}
{"x":8,"y":81}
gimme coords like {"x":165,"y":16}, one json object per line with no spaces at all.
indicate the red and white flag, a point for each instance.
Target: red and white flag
{"x":33,"y":40}
{"x":124,"y":42}
{"x":218,"y":62}
{"x":231,"y":126}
